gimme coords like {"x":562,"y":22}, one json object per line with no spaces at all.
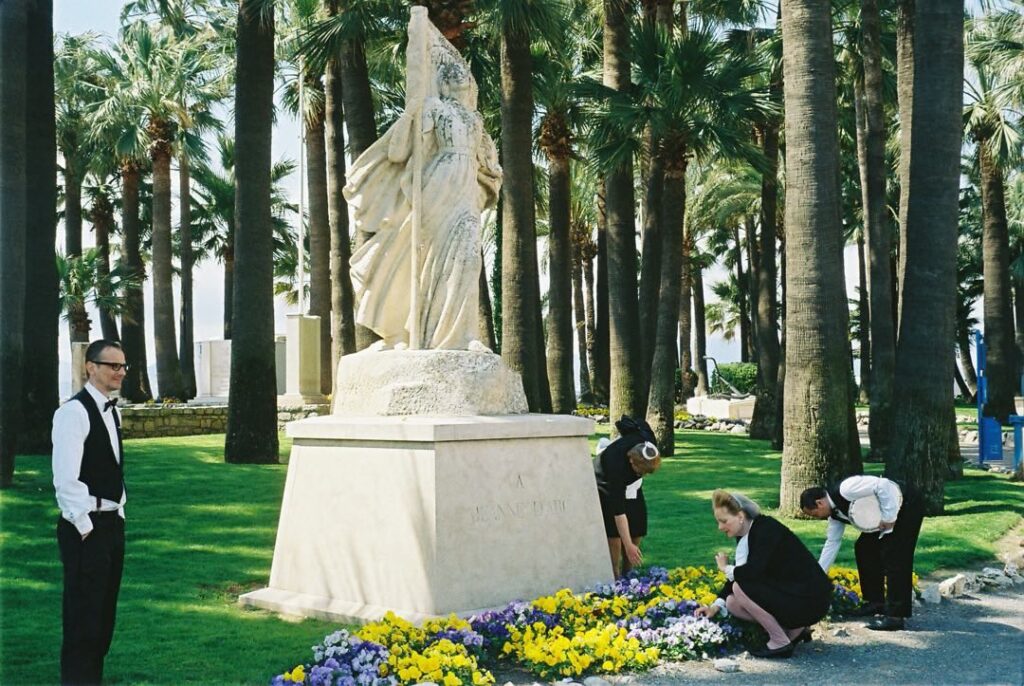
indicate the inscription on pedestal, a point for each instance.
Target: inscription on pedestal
{"x":523,"y":509}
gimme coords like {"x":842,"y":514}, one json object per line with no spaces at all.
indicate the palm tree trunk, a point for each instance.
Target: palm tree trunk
{"x":998,"y":305}
{"x":521,"y":339}
{"x":252,"y":405}
{"x":229,"y":277}
{"x":168,"y":369}
{"x":818,"y":412}
{"x":741,"y":295}
{"x":102,"y":222}
{"x":1018,"y":306}
{"x":484,"y":311}
{"x":580,"y":325}
{"x":42,"y":316}
{"x":356,"y":100}
{"x":970,"y":375}
{"x":14,"y":212}
{"x":961,"y":384}
{"x":560,"y":339}
{"x":600,"y":394}
{"x":628,"y":384}
{"x":602,"y":329}
{"x":765,"y":417}
{"x":931,"y":63}
{"x":661,"y":399}
{"x":700,"y":331}
{"x":186,"y":353}
{"x":72,"y":207}
{"x":319,"y":240}
{"x":650,"y":255}
{"x":879,"y":238}
{"x":135,"y":387}
{"x":343,"y":326}
{"x":687,"y":378}
{"x":864,"y":312}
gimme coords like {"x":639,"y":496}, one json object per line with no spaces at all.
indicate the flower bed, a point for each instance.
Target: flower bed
{"x":629,"y":625}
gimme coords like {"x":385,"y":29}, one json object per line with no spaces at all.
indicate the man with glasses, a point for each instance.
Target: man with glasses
{"x":88,"y":476}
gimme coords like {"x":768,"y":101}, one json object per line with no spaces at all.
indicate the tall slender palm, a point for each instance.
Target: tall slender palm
{"x":628,"y":387}
{"x":313,"y":117}
{"x":78,"y":91}
{"x":818,"y":408}
{"x":997,"y":139}
{"x":252,"y":408}
{"x":39,"y":387}
{"x":522,"y":338}
{"x":13,"y":213}
{"x":101,"y":215}
{"x":931,"y":62}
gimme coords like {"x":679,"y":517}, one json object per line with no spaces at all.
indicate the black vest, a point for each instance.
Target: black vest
{"x":842,"y":505}
{"x":101,"y":471}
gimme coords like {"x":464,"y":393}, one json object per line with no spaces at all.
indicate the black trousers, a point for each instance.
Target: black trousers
{"x":92,"y":580}
{"x":886,"y":564}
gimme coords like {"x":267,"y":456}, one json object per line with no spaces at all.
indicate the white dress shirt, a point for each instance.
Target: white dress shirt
{"x":742,"y":553}
{"x":853,"y":488}
{"x":70,"y":429}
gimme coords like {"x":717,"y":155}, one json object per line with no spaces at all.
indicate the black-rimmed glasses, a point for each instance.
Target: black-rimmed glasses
{"x":114,"y":366}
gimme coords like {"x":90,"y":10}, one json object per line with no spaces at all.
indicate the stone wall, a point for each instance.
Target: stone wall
{"x":155,"y":421}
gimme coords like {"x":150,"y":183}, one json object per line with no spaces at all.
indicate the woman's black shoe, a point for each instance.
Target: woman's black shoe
{"x":805,"y":636}
{"x":887,"y":624}
{"x":780,"y":652}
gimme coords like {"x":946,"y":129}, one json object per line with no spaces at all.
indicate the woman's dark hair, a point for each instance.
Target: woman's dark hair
{"x":96,"y":348}
{"x":810,"y":497}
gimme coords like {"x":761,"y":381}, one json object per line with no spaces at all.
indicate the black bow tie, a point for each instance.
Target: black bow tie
{"x":109,"y":404}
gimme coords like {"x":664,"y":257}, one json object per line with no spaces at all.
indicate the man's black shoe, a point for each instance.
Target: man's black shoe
{"x":781,"y":652}
{"x":866,"y":610}
{"x":887,"y":624}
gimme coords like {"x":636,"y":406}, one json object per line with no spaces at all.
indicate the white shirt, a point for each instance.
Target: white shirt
{"x":70,"y":429}
{"x":742,"y":553}
{"x":853,"y":488}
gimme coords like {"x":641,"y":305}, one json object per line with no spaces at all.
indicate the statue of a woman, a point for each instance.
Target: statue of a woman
{"x":460,"y":177}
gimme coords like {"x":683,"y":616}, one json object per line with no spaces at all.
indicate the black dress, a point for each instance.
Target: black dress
{"x":782,"y":576}
{"x":614,"y":473}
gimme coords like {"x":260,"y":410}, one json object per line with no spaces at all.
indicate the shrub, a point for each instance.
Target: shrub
{"x":742,"y":375}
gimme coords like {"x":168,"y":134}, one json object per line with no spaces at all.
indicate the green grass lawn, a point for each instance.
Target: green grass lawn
{"x":200,"y":532}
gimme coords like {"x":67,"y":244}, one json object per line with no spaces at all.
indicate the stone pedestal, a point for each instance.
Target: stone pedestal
{"x":721,"y":408}
{"x":426,"y":516}
{"x":302,"y":369}
{"x":281,"y":362}
{"x":79,"y":375}
{"x":213,"y":372}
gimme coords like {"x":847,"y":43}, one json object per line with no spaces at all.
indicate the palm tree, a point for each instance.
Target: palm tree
{"x":101,"y":214}
{"x":997,"y":139}
{"x":84,"y":282}
{"x":13,"y":213}
{"x":252,"y":408}
{"x":41,"y":323}
{"x":522,"y":337}
{"x":931,"y":61}
{"x":818,"y":409}
{"x":628,"y":392}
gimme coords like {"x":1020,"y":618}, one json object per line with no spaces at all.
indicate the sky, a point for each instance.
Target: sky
{"x":78,"y":16}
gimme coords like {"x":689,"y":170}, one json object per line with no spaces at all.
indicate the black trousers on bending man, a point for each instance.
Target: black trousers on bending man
{"x":92,"y":581}
{"x":886,"y":564}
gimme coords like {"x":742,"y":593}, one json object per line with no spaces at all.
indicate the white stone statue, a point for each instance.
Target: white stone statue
{"x":420,"y":190}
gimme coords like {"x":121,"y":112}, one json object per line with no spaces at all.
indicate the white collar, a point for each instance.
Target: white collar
{"x":101,"y":400}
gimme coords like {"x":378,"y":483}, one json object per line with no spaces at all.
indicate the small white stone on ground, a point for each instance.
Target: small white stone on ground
{"x":991,"y":571}
{"x":738,"y":429}
{"x":595,"y":681}
{"x":931,"y":594}
{"x":723,"y":664}
{"x":840,"y":633}
{"x":953,"y":586}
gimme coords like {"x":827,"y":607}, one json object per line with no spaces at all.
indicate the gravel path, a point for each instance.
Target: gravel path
{"x":973,"y":639}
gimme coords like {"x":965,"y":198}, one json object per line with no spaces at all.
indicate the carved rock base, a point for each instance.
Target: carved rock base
{"x":438,"y":383}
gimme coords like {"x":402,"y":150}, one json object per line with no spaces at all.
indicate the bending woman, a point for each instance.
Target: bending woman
{"x":775,"y":580}
{"x":619,"y":469}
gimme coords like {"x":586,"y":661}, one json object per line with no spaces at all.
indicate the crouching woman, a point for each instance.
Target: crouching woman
{"x":774,"y":581}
